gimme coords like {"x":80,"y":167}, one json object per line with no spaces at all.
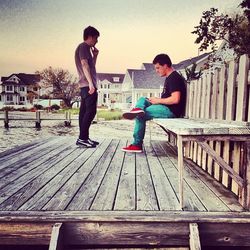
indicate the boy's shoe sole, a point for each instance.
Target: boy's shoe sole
{"x":133,"y":114}
{"x":132,"y":151}
{"x":84,"y":145}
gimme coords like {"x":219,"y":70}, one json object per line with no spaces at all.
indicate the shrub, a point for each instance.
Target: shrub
{"x":38,"y":106}
{"x":54,"y":107}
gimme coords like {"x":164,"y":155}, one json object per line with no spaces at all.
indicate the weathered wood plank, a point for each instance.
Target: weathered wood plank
{"x":86,"y":193}
{"x":63,"y":197}
{"x":166,"y":196}
{"x":226,"y":196}
{"x":25,"y":233}
{"x":128,"y":234}
{"x":126,"y":194}
{"x":200,"y":186}
{"x":21,"y":168}
{"x":169,"y":164}
{"x":222,"y":163}
{"x":48,"y":161}
{"x":222,"y":94}
{"x":23,"y":158}
{"x":8,"y":154}
{"x":105,"y":197}
{"x":125,"y":216}
{"x":56,"y":240}
{"x":231,"y":90}
{"x":242,"y":88}
{"x":46,"y":185}
{"x":224,"y":234}
{"x":194,"y":240}
{"x":245,"y":195}
{"x":145,"y":195}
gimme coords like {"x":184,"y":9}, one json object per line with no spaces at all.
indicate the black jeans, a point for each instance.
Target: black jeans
{"x":87,"y":112}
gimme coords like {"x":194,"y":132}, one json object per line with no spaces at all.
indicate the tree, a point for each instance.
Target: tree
{"x":234,"y":29}
{"x":61,"y":84}
{"x":192,"y":74}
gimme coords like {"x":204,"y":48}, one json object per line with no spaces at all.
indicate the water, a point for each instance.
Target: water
{"x":21,"y":132}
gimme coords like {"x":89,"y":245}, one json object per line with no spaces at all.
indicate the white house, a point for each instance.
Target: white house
{"x":109,"y":88}
{"x":19,"y":89}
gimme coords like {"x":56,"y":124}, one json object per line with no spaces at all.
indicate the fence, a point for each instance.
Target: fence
{"x":222,"y":94}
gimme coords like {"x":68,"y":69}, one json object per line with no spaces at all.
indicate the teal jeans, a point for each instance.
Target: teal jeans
{"x":151,"y":111}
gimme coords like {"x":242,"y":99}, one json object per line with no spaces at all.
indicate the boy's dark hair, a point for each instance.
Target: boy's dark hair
{"x":162,"y":59}
{"x":90,"y":31}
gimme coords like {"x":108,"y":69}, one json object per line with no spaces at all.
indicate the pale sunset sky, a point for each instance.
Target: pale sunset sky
{"x":36,"y":34}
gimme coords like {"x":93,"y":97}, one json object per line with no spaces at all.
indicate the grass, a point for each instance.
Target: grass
{"x":104,"y":114}
{"x":108,"y":115}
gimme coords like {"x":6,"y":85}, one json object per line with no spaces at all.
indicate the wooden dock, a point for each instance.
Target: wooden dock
{"x":104,"y":197}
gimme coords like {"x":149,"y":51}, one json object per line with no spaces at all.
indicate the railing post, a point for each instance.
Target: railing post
{"x":67,"y":121}
{"x":245,"y":193}
{"x":38,"y":119}
{"x":6,"y":119}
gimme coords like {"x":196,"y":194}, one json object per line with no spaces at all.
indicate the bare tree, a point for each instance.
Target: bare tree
{"x":60,"y":84}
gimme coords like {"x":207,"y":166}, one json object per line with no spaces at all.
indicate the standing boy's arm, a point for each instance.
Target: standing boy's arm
{"x":95,"y":53}
{"x":86,"y":71}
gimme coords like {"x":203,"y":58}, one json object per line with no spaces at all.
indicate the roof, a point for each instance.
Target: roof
{"x":110,"y":77}
{"x":146,"y":79}
{"x":185,"y":63}
{"x":25,"y":79}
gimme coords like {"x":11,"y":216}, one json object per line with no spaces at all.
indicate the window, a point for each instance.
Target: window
{"x":116,"y":79}
{"x":0,"y":98}
{"x":9,"y":88}
{"x":22,"y":98}
{"x":9,"y":98}
{"x":22,"y":89}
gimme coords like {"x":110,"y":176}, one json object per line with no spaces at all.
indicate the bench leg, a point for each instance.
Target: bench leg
{"x":180,"y":167}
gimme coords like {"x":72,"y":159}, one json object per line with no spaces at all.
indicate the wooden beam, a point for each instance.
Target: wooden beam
{"x":222,"y":163}
{"x":56,"y":240}
{"x":50,"y":217}
{"x":194,"y":238}
{"x":245,"y":196}
{"x":180,"y":167}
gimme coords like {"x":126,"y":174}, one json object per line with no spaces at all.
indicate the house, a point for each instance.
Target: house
{"x":141,"y":82}
{"x":109,"y":88}
{"x":19,"y":89}
{"x":145,"y":81}
{"x":200,"y":61}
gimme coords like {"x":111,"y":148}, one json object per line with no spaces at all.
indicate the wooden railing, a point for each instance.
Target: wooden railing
{"x":221,"y":94}
{"x":37,"y":119}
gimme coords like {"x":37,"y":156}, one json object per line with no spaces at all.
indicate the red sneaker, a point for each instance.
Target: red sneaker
{"x":132,"y":114}
{"x":132,"y":148}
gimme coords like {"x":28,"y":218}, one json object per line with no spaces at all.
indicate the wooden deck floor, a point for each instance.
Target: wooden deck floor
{"x":55,"y":174}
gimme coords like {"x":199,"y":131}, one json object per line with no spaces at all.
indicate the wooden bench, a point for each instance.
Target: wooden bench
{"x":201,"y":131}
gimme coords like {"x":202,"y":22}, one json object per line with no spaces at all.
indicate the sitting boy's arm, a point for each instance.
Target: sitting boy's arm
{"x":173,"y":99}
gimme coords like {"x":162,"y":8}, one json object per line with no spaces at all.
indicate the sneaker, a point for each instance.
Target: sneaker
{"x":85,"y":143}
{"x":132,"y":114}
{"x":93,"y":142}
{"x":132,"y":148}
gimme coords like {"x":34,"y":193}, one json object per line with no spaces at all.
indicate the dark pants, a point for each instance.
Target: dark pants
{"x":87,"y":112}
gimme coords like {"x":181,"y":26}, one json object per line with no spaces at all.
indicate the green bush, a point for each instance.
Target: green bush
{"x":54,"y":107}
{"x":8,"y":108}
{"x":38,"y":106}
{"x":108,"y":115}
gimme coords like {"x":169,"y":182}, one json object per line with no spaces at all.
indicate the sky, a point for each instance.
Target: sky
{"x":35,"y":34}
